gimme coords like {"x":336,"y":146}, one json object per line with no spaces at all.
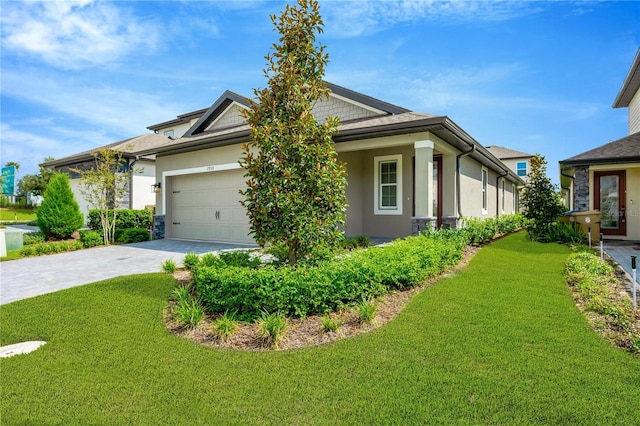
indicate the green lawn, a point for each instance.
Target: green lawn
{"x":499,"y":343}
{"x":17,"y":214}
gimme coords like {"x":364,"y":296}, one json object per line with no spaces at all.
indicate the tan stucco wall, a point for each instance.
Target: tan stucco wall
{"x":355,"y":192}
{"x":513,"y":164}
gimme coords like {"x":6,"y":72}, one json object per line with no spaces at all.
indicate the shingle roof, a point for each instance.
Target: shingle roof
{"x":129,"y":147}
{"x":506,"y":153}
{"x":625,"y":150}
{"x":630,"y":86}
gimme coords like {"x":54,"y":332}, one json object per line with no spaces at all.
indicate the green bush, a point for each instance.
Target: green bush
{"x":224,"y":327}
{"x":40,"y":249}
{"x":125,"y":219}
{"x":35,"y":237}
{"x":273,"y":326}
{"x":191,"y":260}
{"x":132,"y":235}
{"x":169,"y":266}
{"x":90,"y":238}
{"x":331,"y":285}
{"x":59,"y":215}
{"x":239,"y":258}
{"x":329,"y":325}
{"x":367,"y":311}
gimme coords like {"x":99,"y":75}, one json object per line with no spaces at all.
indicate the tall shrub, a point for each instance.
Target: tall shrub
{"x":59,"y":216}
{"x":295,"y":193}
{"x":540,"y":200}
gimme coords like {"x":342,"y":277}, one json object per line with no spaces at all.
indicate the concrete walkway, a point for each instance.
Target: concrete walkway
{"x":621,"y":252}
{"x":33,"y":276}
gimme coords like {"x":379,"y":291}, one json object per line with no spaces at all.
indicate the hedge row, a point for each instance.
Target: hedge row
{"x":125,"y":218}
{"x":344,"y":280}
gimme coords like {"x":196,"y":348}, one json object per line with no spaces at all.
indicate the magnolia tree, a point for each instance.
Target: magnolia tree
{"x":539,"y":200}
{"x":103,"y":186}
{"x":295,"y":193}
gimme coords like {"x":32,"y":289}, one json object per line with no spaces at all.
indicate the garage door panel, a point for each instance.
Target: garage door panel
{"x":206,"y":206}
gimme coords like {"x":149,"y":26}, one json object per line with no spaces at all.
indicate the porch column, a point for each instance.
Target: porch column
{"x":424,"y":178}
{"x":424,"y":184}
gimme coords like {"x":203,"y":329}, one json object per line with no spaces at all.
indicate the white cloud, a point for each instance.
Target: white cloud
{"x":354,"y":18}
{"x":73,"y":35}
{"x":120,"y":112}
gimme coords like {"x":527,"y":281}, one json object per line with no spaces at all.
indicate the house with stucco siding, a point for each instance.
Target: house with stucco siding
{"x":607,"y":178}
{"x":405,"y":170}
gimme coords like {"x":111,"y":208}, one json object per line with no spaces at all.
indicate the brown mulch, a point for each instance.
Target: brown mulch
{"x":301,"y":333}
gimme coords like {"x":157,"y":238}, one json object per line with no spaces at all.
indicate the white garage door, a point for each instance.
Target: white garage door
{"x":206,"y":206}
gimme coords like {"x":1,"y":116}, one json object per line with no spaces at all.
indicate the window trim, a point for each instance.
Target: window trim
{"x":520,"y":169}
{"x":484,"y":182}
{"x":503,"y":195}
{"x":514,"y":206}
{"x":377,"y":185}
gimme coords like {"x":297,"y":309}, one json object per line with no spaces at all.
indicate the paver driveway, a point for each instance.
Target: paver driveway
{"x":23,"y":278}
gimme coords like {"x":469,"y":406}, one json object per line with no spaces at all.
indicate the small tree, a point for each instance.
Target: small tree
{"x":103,"y":187}
{"x":59,"y":216}
{"x":295,"y":192}
{"x":539,"y":200}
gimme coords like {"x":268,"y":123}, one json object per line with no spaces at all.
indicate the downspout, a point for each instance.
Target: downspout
{"x":573,"y":179}
{"x":458,"y":157}
{"x":498,"y":191}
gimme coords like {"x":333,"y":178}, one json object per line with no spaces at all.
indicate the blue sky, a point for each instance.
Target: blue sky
{"x":527,"y":75}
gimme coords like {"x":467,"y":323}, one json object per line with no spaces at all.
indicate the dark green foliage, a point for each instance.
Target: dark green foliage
{"x":540,"y":201}
{"x":345,"y":280}
{"x":125,"y":218}
{"x":351,"y":243}
{"x":59,"y":216}
{"x":33,"y":238}
{"x":90,"y":238}
{"x":36,"y":184}
{"x":131,"y":235}
{"x":295,"y":195}
{"x":241,"y":259}
{"x":566,"y":233}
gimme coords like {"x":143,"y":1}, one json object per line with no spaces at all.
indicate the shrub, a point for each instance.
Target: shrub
{"x":367,"y":311}
{"x":125,"y":218}
{"x":191,"y":260}
{"x":566,"y":233}
{"x":211,"y":260}
{"x":273,"y":326}
{"x":181,"y":293}
{"x":169,"y":266}
{"x":91,"y":238}
{"x":132,"y":235}
{"x":190,"y":311}
{"x":329,"y":325}
{"x":239,"y":258}
{"x":35,"y":237}
{"x":224,"y":327}
{"x":40,"y":249}
{"x":59,"y":215}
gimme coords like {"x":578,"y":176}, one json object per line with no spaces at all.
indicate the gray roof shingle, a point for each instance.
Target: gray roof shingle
{"x":625,"y":150}
{"x":506,"y":153}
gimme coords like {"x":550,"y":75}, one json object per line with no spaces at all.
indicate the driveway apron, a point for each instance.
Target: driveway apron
{"x":33,"y":276}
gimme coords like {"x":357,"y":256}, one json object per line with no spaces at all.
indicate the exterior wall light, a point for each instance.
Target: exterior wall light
{"x":156,"y":187}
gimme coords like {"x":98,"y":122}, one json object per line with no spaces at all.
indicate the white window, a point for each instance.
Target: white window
{"x":515,"y":197}
{"x":388,"y":185}
{"x":485,"y":180}
{"x":522,"y":168}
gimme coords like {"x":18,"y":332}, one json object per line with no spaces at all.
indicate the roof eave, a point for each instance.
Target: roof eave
{"x":630,"y":86}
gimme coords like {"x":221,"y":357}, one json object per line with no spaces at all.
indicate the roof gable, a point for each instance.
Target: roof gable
{"x":219,"y":109}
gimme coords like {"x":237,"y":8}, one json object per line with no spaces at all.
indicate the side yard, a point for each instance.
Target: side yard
{"x":500,"y":342}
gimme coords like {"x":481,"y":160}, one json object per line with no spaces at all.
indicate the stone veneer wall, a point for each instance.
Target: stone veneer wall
{"x":419,"y":224}
{"x":158,"y":226}
{"x":581,"y":189}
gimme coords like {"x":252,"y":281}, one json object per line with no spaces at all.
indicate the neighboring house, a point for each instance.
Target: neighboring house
{"x":519,"y":162}
{"x":139,"y":190}
{"x":405,"y":170}
{"x":607,"y":178}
